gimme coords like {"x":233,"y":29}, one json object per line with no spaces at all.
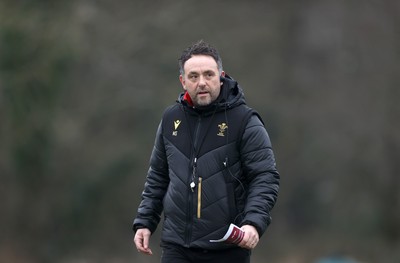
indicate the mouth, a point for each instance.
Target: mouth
{"x":202,"y":93}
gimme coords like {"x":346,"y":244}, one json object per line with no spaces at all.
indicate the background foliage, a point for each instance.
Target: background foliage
{"x":83,"y":84}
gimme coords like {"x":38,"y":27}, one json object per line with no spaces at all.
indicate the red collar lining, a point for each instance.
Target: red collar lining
{"x":187,"y":98}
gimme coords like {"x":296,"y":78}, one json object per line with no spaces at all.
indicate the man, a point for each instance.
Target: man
{"x":212,"y":165}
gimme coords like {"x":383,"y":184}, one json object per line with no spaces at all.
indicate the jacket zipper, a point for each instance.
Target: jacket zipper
{"x":189,"y":220}
{"x":189,"y":216}
{"x":199,"y":199}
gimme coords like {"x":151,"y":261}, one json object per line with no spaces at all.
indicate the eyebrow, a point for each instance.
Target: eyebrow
{"x":204,"y":72}
{"x":209,"y":71}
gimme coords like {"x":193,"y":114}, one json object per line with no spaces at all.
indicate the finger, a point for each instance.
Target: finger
{"x":146,"y":240}
{"x":251,"y":243}
{"x":251,"y":237}
{"x":141,"y":241}
{"x":246,"y":242}
{"x":138,"y":240}
{"x":146,"y":251}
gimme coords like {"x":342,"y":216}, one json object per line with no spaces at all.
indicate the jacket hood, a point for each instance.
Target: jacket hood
{"x":231,"y":95}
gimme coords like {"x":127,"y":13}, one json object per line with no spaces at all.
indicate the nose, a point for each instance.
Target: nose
{"x":202,"y":81}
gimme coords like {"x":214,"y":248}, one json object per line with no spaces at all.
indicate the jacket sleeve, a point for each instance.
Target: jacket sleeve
{"x":262,"y":177}
{"x":151,"y":206}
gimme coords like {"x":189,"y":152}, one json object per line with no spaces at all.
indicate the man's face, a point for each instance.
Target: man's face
{"x":201,"y":79}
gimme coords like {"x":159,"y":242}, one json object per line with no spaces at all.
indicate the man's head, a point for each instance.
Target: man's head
{"x":200,"y":69}
{"x":199,"y":48}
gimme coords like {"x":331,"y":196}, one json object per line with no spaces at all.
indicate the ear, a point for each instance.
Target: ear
{"x":221,"y":77}
{"x":182,"y":80}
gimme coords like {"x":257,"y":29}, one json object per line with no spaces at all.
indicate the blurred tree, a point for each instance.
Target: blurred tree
{"x":34,"y":63}
{"x":83,"y":85}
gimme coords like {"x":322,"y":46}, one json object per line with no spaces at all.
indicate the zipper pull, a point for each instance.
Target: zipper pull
{"x":193,"y":184}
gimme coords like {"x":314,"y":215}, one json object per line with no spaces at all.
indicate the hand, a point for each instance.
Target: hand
{"x":141,"y":241}
{"x":251,"y":238}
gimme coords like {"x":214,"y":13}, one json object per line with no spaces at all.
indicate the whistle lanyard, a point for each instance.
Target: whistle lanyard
{"x":196,"y":151}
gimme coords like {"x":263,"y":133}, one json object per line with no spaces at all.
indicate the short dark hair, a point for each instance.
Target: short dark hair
{"x":199,"y":48}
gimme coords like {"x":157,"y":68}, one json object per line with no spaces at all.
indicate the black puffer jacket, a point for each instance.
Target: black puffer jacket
{"x":225,"y":151}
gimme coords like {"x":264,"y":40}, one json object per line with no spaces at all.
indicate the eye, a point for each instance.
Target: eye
{"x":192,"y":77}
{"x":209,"y":74}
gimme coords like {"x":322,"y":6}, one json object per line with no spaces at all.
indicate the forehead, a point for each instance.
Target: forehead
{"x":200,"y":63}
